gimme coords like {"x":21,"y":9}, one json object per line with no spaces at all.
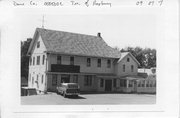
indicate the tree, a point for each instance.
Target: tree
{"x":24,"y":58}
{"x":146,"y":57}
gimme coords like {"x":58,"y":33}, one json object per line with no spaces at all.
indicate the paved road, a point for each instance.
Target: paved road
{"x":88,"y":99}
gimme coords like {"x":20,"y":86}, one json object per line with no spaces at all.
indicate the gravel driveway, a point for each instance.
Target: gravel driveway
{"x":86,"y":99}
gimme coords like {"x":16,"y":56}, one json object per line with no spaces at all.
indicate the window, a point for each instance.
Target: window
{"x":130,"y":83}
{"x":38,"y":44}
{"x":43,"y":60}
{"x":38,"y":60}
{"x":150,"y":83}
{"x":101,"y":82}
{"x":147,"y":83}
{"x":139,"y":84}
{"x":75,"y":78}
{"x":88,"y":62}
{"x":54,"y":80}
{"x":32,"y":81}
{"x":124,"y":68}
{"x":99,"y":63}
{"x":109,"y":63}
{"x":88,"y":80}
{"x":114,"y":82}
{"x":30,"y":61}
{"x":42,"y":79}
{"x":37,"y":80}
{"x":154,"y":83}
{"x":132,"y":68}
{"x":29,"y":78}
{"x":33,"y":60}
{"x":143,"y":83}
{"x":58,"y":59}
{"x":71,"y":60}
{"x":123,"y":83}
{"x":128,"y":60}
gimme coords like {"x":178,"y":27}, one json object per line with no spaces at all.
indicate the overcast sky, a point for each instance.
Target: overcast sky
{"x":119,"y":30}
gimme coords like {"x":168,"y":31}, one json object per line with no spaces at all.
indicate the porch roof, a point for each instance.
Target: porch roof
{"x":107,"y":76}
{"x":97,"y":74}
{"x":132,"y":78}
{"x":48,"y":72}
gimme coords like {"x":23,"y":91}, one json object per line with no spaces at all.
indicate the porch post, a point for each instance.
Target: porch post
{"x":127,"y":83}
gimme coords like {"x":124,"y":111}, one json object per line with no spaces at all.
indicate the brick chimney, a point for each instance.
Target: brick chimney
{"x":99,"y":34}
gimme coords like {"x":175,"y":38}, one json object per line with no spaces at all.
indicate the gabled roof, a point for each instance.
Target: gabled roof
{"x":124,"y":54}
{"x":74,"y":44}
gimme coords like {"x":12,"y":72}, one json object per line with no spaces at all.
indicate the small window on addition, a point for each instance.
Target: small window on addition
{"x":38,"y":44}
{"x":124,"y":68}
{"x":132,"y":68}
{"x":128,"y":60}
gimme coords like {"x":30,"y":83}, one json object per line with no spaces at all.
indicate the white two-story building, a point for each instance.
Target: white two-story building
{"x":57,"y":56}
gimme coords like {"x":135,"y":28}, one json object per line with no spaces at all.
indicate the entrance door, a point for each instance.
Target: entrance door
{"x":65,"y":78}
{"x":108,"y":85}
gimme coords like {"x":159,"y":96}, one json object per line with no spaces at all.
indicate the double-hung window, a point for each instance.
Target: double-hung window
{"x":38,"y":60}
{"x":88,"y":62}
{"x":109,"y":63}
{"x":33,"y":61}
{"x":71,"y":60}
{"x":124,"y":68}
{"x":132,"y":68}
{"x":43,"y":59}
{"x":99,"y":63}
{"x":58,"y":59}
{"x":88,"y":80}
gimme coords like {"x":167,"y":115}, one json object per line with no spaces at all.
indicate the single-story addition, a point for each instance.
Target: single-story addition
{"x":58,"y":56}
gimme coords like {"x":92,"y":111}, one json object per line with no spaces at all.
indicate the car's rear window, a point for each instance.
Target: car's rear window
{"x":73,"y":86}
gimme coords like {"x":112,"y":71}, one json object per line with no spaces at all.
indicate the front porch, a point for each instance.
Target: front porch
{"x":86,"y":81}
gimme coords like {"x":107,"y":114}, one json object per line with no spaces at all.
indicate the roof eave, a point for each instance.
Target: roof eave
{"x":51,"y":52}
{"x":32,"y":43}
{"x":132,"y":57}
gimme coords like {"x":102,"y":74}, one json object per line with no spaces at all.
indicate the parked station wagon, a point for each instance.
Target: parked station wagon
{"x":68,"y":89}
